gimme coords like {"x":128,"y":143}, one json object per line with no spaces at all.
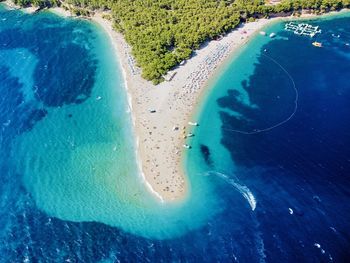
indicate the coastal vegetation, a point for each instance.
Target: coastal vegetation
{"x":162,"y":33}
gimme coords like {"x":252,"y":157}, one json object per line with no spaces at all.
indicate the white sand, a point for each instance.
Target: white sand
{"x":28,"y":10}
{"x":159,"y":147}
{"x":60,"y":11}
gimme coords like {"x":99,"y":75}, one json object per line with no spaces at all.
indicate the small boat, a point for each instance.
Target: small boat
{"x":272,"y":35}
{"x":190,"y":135}
{"x":263,"y":33}
{"x":193,"y":123}
{"x":186,"y":146}
{"x":317,"y":44}
{"x":98,"y":98}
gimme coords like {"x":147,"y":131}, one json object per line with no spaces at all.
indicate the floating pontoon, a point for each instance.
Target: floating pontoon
{"x":302,"y":29}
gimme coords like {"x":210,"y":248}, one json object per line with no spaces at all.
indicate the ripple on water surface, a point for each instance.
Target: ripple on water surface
{"x":78,"y":159}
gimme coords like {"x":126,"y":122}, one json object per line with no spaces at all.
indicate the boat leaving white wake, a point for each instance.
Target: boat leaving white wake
{"x":244,"y":190}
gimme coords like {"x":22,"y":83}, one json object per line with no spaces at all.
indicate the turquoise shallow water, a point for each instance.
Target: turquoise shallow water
{"x":69,"y":185}
{"x":237,"y":68}
{"x":274,"y":130}
{"x":77,"y":160}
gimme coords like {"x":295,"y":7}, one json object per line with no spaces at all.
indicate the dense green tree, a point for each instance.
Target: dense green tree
{"x":162,"y":33}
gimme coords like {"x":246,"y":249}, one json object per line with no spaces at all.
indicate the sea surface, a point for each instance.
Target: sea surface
{"x":275,"y":134}
{"x":269,"y":169}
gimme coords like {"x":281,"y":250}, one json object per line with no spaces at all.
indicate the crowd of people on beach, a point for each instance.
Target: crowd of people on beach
{"x":197,"y":78}
{"x":163,"y":135}
{"x":183,"y":100}
{"x":134,"y":69}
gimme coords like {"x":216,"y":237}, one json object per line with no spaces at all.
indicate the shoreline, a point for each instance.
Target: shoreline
{"x":174,"y":103}
{"x":27,"y":10}
{"x":159,"y":136}
{"x":117,"y":46}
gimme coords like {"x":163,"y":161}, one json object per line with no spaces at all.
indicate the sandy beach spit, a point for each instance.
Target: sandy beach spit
{"x":160,"y":114}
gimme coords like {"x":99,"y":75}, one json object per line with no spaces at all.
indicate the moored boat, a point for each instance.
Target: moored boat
{"x":193,"y":123}
{"x":317,"y":44}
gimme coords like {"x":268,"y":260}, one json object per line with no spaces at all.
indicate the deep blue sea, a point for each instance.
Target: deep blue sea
{"x":274,"y":137}
{"x":269,"y":168}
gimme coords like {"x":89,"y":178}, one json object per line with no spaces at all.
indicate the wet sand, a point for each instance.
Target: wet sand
{"x":160,"y":134}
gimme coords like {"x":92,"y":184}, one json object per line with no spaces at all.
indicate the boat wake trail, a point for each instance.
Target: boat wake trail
{"x":296,"y":99}
{"x":242,"y":189}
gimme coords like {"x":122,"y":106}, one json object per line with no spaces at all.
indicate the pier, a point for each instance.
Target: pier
{"x":302,"y":29}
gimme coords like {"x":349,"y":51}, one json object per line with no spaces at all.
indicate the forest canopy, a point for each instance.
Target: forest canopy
{"x":162,"y":33}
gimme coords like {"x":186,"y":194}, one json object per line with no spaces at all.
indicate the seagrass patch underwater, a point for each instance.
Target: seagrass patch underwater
{"x":70,"y":189}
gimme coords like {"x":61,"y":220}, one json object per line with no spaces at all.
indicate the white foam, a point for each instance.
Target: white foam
{"x":142,"y":175}
{"x":317,"y":245}
{"x":133,"y":119}
{"x":244,"y":190}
